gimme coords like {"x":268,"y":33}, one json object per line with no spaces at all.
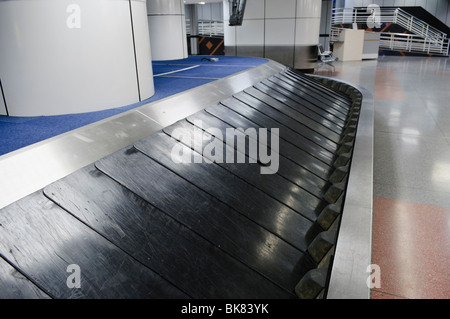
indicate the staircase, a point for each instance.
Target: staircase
{"x":417,"y":37}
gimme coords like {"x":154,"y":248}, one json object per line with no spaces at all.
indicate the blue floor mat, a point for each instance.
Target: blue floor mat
{"x":209,"y":72}
{"x":223,"y":60}
{"x":18,"y":132}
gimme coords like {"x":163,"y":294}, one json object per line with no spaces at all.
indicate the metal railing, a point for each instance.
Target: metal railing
{"x":211,"y":28}
{"x":387,"y":15}
{"x":355,"y":15}
{"x":334,"y":34}
{"x":417,"y":26}
{"x":425,"y":38}
{"x":412,"y":43}
{"x":404,"y":42}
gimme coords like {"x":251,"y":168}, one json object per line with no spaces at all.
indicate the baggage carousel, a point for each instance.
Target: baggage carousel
{"x":114,"y":210}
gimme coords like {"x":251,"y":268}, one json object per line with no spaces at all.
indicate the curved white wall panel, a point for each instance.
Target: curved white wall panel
{"x":167,"y":27}
{"x":142,"y":49}
{"x":60,"y":56}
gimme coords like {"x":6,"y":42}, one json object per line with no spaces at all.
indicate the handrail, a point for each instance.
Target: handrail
{"x":404,"y":42}
{"x":419,"y":25}
{"x":425,"y":38}
{"x":387,"y":15}
{"x":412,"y":43}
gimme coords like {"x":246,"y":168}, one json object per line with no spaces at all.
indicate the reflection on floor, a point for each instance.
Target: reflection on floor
{"x":411,"y":226}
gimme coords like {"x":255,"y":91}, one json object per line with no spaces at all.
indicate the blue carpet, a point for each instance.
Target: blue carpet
{"x":223,"y":60}
{"x":18,"y":132}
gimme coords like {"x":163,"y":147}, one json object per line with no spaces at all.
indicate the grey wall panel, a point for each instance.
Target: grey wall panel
{"x":209,"y":11}
{"x":254,"y":9}
{"x":421,"y":3}
{"x":441,"y":10}
{"x":272,"y":24}
{"x":216,"y":11}
{"x":305,"y":57}
{"x":448,"y":15}
{"x":282,"y":54}
{"x":431,"y":6}
{"x":399,"y":3}
{"x":325,"y":24}
{"x":204,"y":11}
{"x":250,"y":50}
{"x":324,"y":21}
{"x":230,"y":50}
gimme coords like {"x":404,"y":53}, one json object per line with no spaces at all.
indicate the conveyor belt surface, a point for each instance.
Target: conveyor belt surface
{"x":139,"y":224}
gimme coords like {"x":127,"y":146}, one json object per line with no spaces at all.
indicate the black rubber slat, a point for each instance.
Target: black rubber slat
{"x":315,"y":86}
{"x":313,"y":83}
{"x":306,"y":96}
{"x":265,"y":91}
{"x":296,"y":121}
{"x":288,"y":150}
{"x":287,"y":169}
{"x":304,"y":139}
{"x":216,"y":222}
{"x":317,"y":133}
{"x":331,"y":115}
{"x":14,"y":285}
{"x":42,"y":240}
{"x":275,"y":185}
{"x":169,"y":248}
{"x":262,"y":209}
{"x":309,"y":92}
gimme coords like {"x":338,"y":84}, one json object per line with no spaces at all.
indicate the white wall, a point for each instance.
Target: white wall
{"x":56,"y":58}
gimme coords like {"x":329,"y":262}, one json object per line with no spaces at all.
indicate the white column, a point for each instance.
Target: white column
{"x":307,"y":31}
{"x":167,"y":27}
{"x":73,"y":56}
